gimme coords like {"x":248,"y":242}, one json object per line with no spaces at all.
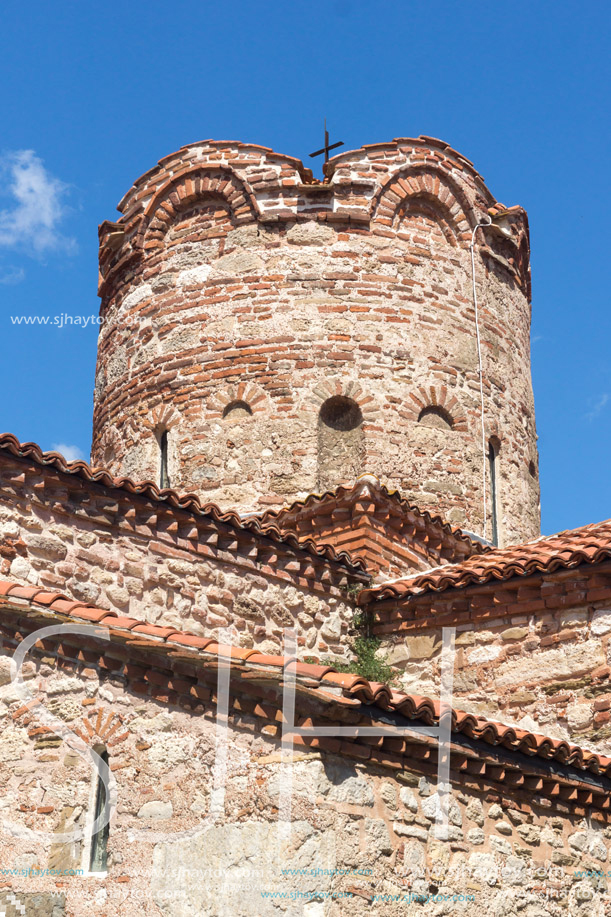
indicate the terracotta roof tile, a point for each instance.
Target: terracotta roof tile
{"x":193,"y":640}
{"x":45,"y":598}
{"x":24,"y":592}
{"x":87,"y":614}
{"x":308,"y":669}
{"x":590,"y":544}
{"x":189,"y":502}
{"x":153,"y":630}
{"x":248,"y":654}
{"x":118,"y":620}
{"x":226,"y":651}
{"x":65,"y":605}
{"x":267,"y":660}
{"x":345,"y":680}
{"x":355,"y":689}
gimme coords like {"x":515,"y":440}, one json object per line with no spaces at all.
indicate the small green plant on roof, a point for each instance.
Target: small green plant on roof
{"x":361,"y":623}
{"x":369,"y":662}
{"x":352,"y":590}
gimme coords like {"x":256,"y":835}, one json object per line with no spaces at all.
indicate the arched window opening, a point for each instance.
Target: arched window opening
{"x":237,"y":411}
{"x":436,"y":417}
{"x":341,"y":413}
{"x":99,"y":840}
{"x":532,"y":469}
{"x":164,"y":477}
{"x":340,"y":442}
{"x":493,"y":455}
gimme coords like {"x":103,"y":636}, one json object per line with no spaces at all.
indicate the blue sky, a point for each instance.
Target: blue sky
{"x":95,"y":93}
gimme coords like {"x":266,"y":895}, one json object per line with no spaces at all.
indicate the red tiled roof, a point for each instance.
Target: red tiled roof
{"x":346,"y":490}
{"x":189,"y":502}
{"x":590,"y":544}
{"x":327,"y":681}
{"x":393,"y":537}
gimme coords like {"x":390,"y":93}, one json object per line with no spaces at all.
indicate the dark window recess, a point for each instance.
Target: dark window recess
{"x":435,"y":416}
{"x":492,"y":460}
{"x":164,"y":478}
{"x":341,"y":413}
{"x":237,"y":410}
{"x":99,"y":841}
{"x":340,"y":442}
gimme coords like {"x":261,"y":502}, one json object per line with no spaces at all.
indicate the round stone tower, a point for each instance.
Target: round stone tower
{"x":266,"y":335}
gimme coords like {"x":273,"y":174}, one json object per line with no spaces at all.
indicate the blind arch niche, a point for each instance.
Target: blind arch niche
{"x":340,"y":442}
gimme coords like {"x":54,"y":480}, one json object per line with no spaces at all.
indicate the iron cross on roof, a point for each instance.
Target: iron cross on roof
{"x":325,"y":149}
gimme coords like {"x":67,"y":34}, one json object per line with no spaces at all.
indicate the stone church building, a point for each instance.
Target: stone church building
{"x":313,"y":420}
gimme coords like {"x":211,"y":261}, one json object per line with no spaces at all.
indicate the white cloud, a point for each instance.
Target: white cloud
{"x":598,"y":407}
{"x":12,"y":275}
{"x":32,"y":222}
{"x":70,"y":453}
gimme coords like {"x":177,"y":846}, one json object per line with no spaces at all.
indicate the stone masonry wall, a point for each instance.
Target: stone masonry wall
{"x":537,"y":653}
{"x":363,"y":837}
{"x":164,"y":566}
{"x":239,"y":297}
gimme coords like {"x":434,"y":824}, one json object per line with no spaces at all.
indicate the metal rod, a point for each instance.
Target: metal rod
{"x":480,"y":371}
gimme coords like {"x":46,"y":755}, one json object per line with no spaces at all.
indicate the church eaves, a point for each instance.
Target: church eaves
{"x":178,"y":668}
{"x":175,"y":501}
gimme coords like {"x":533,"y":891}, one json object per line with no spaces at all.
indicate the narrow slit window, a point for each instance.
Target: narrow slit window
{"x":492,"y":462}
{"x":99,"y":840}
{"x":164,"y":478}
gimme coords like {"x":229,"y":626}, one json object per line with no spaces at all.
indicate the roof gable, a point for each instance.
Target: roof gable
{"x":367,"y":520}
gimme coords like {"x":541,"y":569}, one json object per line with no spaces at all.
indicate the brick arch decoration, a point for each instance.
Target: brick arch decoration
{"x":254,"y":396}
{"x":428,"y":205}
{"x":101,"y":727}
{"x":436,"y":396}
{"x":332,"y":388}
{"x":431,"y":185}
{"x":183,"y":190}
{"x":162,"y":417}
{"x":97,"y":726}
{"x":135,"y":430}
